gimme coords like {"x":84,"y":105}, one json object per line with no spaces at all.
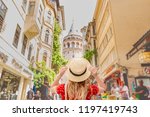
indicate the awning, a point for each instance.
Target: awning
{"x":140,"y":44}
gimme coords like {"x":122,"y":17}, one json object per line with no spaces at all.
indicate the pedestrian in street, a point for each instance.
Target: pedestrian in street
{"x":115,"y":91}
{"x":30,"y":94}
{"x":124,"y":91}
{"x":142,"y":91}
{"x":78,"y":86}
{"x":133,"y":97}
{"x":37,"y":95}
{"x":45,"y":90}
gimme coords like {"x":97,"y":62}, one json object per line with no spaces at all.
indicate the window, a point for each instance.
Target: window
{"x":30,"y":52}
{"x":49,"y":17}
{"x":77,"y":45}
{"x":24,"y":45}
{"x":40,"y":14}
{"x":45,"y":57}
{"x":47,"y":36}
{"x":24,"y":4}
{"x":109,"y":33}
{"x":3,"y":10}
{"x":37,"y":55}
{"x":105,"y":41}
{"x":17,"y":35}
{"x":68,"y":44}
{"x":73,"y":45}
{"x":31,"y":8}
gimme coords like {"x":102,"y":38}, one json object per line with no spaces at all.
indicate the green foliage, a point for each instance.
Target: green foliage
{"x":57,"y":59}
{"x":40,"y":73}
{"x":89,"y":54}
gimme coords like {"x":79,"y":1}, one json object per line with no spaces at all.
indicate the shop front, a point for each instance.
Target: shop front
{"x":142,"y":49}
{"x":15,"y":78}
{"x":115,"y":73}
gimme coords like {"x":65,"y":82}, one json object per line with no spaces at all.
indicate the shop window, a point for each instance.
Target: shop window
{"x":9,"y":84}
{"x":45,"y":57}
{"x":24,"y":45}
{"x":31,"y":8}
{"x":24,"y":4}
{"x":17,"y":36}
{"x":3,"y":10}
{"x":30,"y":52}
{"x":47,"y":34}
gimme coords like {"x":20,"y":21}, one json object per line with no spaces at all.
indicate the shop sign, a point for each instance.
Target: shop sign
{"x":3,"y":57}
{"x":110,"y":69}
{"x":16,"y":65}
{"x":147,"y":70}
{"x":144,"y":57}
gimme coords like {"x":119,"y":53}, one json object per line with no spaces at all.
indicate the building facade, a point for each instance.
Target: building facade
{"x":73,"y":44}
{"x":91,"y":41}
{"x":26,"y":37}
{"x":119,"y":24}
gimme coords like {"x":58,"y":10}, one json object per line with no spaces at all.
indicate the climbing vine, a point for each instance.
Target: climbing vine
{"x":57,"y":58}
{"x":89,"y":54}
{"x":42,"y":73}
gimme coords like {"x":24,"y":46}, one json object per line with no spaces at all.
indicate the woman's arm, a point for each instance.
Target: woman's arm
{"x":58,"y":77}
{"x":100,"y":83}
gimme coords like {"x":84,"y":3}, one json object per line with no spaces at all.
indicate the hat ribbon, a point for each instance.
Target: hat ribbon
{"x":77,"y":74}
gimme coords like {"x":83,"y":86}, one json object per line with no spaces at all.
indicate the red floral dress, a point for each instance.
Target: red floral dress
{"x":93,"y":90}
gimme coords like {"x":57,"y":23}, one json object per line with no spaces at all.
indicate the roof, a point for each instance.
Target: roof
{"x":73,"y":30}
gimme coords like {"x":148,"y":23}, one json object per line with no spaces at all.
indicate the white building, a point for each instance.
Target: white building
{"x":26,"y":37}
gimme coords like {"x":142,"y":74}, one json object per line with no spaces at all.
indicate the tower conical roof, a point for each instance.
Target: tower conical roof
{"x":73,"y":30}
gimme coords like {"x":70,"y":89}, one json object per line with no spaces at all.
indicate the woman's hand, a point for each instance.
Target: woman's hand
{"x":62,"y":71}
{"x":58,"y":77}
{"x":94,"y":71}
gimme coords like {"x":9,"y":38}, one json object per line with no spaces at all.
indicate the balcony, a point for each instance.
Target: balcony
{"x":33,"y":20}
{"x":32,"y":28}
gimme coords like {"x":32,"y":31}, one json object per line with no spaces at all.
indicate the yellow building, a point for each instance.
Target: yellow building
{"x":120,"y":24}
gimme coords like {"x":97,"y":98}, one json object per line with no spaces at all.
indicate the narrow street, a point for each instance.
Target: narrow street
{"x":38,"y":45}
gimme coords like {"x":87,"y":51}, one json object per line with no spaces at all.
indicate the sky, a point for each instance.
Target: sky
{"x":81,"y":11}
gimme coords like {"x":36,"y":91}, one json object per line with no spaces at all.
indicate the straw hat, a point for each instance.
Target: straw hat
{"x":78,"y":70}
